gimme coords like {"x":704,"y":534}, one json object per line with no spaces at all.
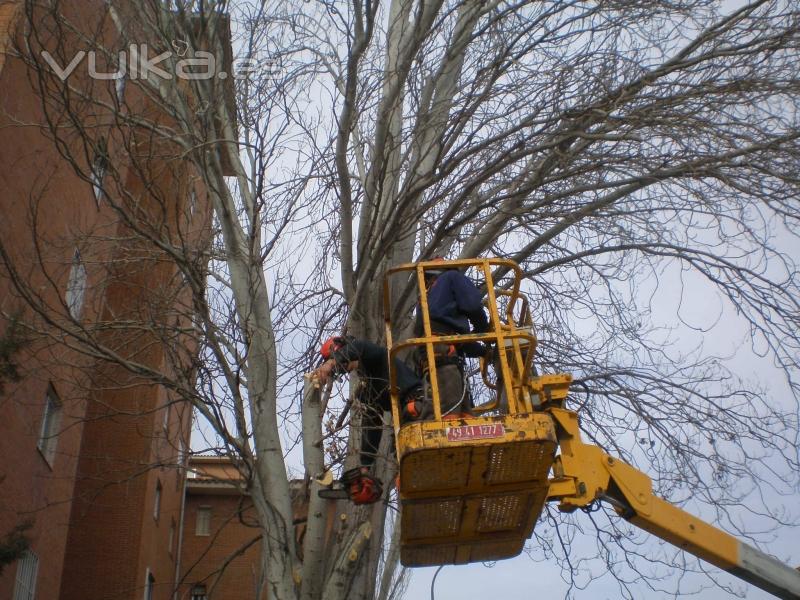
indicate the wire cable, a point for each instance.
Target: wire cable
{"x":433,"y":581}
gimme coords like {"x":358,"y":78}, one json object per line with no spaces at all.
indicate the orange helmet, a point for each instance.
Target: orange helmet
{"x":330,"y":346}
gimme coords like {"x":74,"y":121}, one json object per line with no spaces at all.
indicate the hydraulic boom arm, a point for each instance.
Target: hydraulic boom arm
{"x":584,"y":473}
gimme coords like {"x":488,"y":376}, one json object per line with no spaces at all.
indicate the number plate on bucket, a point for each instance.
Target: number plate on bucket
{"x":475,"y":432}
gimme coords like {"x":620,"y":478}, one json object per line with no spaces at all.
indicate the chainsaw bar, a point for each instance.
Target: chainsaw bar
{"x":334,"y":494}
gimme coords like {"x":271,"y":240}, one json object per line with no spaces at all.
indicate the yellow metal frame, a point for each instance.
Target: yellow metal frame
{"x":502,"y":332}
{"x":467,"y":500}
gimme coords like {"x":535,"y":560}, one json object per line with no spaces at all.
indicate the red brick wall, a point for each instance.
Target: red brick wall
{"x":113,"y":536}
{"x":203,"y":555}
{"x":125,"y":452}
{"x":155,"y":553}
{"x":8,"y":15}
{"x":32,"y":174}
{"x":94,"y":539}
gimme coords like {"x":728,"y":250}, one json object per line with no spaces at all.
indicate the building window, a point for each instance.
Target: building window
{"x":25,"y":585}
{"x":157,"y":507}
{"x":199,"y":592}
{"x":99,"y":170}
{"x":48,"y":434}
{"x":192,"y":202}
{"x":171,"y":541}
{"x":76,"y":286}
{"x":203,"y":524}
{"x":98,"y":175}
{"x":180,"y":461}
{"x":149,"y":584}
{"x":119,"y":88}
{"x":165,"y":424}
{"x":181,"y":458}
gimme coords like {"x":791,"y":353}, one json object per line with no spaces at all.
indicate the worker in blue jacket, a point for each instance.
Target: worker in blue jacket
{"x":454,"y":303}
{"x":455,"y":306}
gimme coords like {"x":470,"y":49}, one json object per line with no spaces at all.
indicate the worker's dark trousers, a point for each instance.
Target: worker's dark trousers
{"x":372,"y":410}
{"x":371,"y":432}
{"x":452,"y":393}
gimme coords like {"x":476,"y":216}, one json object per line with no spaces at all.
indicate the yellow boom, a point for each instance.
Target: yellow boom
{"x":584,"y":473}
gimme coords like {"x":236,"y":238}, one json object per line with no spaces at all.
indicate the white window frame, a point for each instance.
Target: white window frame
{"x":149,"y":584}
{"x":119,"y":88}
{"x":181,"y":453}
{"x":97,"y":176}
{"x":203,"y":527}
{"x":49,"y":430}
{"x":157,"y":503}
{"x":76,"y":286}
{"x":25,"y":580}
{"x":171,"y":542}
{"x":192,"y":202}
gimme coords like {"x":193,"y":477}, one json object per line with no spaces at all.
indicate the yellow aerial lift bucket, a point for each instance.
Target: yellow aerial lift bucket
{"x":472,"y":487}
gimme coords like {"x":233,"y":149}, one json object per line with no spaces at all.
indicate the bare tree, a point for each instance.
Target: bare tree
{"x":596,"y":144}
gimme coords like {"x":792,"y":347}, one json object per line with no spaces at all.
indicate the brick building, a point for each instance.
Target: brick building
{"x":220,"y":546}
{"x":219,"y":528}
{"x":94,"y":457}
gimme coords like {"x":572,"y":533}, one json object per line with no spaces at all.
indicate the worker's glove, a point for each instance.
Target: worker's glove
{"x":412,"y":410}
{"x":324,"y":373}
{"x":416,"y":407}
